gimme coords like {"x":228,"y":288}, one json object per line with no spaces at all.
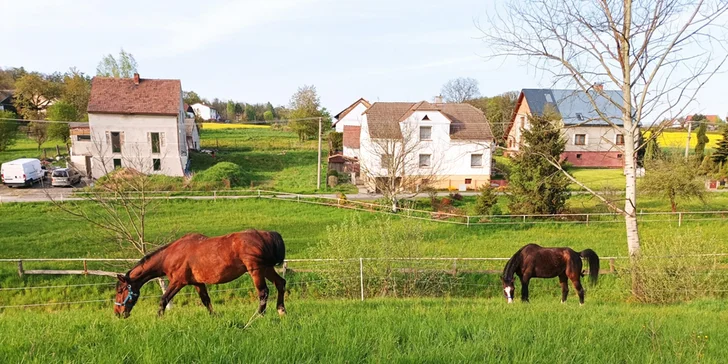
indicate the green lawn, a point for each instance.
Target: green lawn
{"x":598,"y":179}
{"x":26,"y":148}
{"x":380,"y":330}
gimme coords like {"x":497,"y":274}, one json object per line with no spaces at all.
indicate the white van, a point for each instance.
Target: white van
{"x":21,"y":172}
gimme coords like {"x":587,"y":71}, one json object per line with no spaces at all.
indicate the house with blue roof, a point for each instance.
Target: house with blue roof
{"x":590,"y":140}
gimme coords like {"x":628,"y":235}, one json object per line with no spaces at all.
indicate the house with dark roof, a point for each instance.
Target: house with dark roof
{"x":447,"y":145}
{"x":590,"y":140}
{"x":133,"y":123}
{"x":6,"y":101}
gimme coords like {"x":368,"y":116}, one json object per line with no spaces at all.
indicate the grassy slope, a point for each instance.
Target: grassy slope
{"x":26,"y":148}
{"x":273,"y":159}
{"x":412,"y":330}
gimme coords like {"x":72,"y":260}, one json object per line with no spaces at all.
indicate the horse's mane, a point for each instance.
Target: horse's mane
{"x":513,"y":264}
{"x":148,"y":256}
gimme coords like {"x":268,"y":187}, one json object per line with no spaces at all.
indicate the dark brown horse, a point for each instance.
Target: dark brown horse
{"x":533,"y":261}
{"x":198,"y":260}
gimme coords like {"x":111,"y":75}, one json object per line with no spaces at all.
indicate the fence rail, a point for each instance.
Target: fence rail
{"x":679,"y":217}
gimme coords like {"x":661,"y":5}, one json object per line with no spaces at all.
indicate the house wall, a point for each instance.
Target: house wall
{"x":195,"y":133}
{"x":136,"y":147}
{"x":353,"y":118}
{"x":513,"y":142}
{"x":450,"y":159}
{"x":205,"y":112}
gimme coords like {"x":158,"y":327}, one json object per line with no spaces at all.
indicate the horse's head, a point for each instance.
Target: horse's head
{"x":127,"y":295}
{"x":509,"y":288}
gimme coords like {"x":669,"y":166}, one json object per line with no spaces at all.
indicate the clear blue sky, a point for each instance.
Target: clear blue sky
{"x":257,"y":51}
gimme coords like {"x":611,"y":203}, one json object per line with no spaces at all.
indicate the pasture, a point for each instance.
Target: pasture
{"x":382,"y":330}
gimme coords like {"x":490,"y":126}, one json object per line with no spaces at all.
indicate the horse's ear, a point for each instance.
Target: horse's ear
{"x":121,"y":278}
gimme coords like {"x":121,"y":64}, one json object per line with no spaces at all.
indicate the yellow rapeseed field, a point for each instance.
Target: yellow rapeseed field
{"x":677,"y":139}
{"x":214,"y":126}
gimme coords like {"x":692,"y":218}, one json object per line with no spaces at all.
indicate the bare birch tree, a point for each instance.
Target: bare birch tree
{"x":461,"y":89}
{"x":402,"y":166}
{"x":659,"y":53}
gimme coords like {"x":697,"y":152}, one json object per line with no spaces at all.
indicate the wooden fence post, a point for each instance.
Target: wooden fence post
{"x":285,"y":268}
{"x":58,"y":150}
{"x":679,"y":219}
{"x":20,"y":269}
{"x":587,"y":219}
{"x":468,"y":222}
{"x":85,"y":268}
{"x":454,"y":267}
{"x":611,"y":265}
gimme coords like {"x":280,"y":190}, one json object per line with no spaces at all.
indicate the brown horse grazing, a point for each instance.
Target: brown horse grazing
{"x":198,"y":260}
{"x":533,"y":261}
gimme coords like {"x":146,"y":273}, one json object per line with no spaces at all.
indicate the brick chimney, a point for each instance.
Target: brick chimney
{"x":136,"y":78}
{"x":599,"y":87}
{"x":438,"y":99}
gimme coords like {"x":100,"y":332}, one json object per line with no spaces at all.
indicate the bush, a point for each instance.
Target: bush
{"x":486,"y":201}
{"x":457,"y":196}
{"x":227,"y":173}
{"x":677,"y":268}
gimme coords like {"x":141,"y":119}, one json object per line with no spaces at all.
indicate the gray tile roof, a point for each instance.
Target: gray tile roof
{"x":574,"y":106}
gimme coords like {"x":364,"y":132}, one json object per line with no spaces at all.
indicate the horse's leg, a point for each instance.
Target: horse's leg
{"x":204,"y":297}
{"x":524,"y":288}
{"x":172,"y":290}
{"x":259,"y":281}
{"x":280,"y":283}
{"x":564,"y":281}
{"x":579,"y":289}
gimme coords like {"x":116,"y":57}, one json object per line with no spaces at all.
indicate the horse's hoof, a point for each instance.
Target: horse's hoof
{"x":281,"y":311}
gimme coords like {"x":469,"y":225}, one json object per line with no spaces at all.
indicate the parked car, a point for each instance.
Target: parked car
{"x":21,"y":172}
{"x":65,"y":177}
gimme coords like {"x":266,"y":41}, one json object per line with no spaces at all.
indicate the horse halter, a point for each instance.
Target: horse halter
{"x":130,"y":295}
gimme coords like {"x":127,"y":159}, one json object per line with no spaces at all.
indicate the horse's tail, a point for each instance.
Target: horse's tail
{"x":593,"y":260}
{"x":279,"y":248}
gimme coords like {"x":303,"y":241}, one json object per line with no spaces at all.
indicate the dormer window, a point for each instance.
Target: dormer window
{"x":579,"y":116}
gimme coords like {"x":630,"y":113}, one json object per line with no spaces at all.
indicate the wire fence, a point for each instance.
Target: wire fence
{"x":363,"y":278}
{"x":679,"y":218}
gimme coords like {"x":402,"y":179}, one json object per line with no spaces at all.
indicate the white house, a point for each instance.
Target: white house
{"x":348,"y":122}
{"x":590,"y":141}
{"x":205,"y":112}
{"x":135,"y":123}
{"x":452,"y":143}
{"x":192,"y":133}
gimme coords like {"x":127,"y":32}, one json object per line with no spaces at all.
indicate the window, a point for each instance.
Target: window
{"x":619,"y":140}
{"x":426,"y":118}
{"x":385,"y":160}
{"x":580,"y":139}
{"x":425,"y":133}
{"x":116,"y":142}
{"x":425,"y":160}
{"x":578,"y":156}
{"x":619,"y":155}
{"x":83,"y":138}
{"x":579,"y":116}
{"x":523,"y":121}
{"x":117,"y":163}
{"x":155,"y":143}
{"x":157,"y":164}
{"x":476,"y":160}
{"x":468,"y":181}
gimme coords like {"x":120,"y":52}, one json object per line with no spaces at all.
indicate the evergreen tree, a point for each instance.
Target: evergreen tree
{"x":652,"y":150}
{"x":702,"y":140}
{"x":721,"y":154}
{"x":536,"y":186}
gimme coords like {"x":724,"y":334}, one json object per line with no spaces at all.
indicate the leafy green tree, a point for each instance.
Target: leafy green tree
{"x":536,"y":185}
{"x":123,"y":67}
{"x":269,"y":107}
{"x":498,"y":111}
{"x":33,"y":93}
{"x":230,"y":108}
{"x":61,"y":111}
{"x":59,"y":131}
{"x":721,"y":153}
{"x":191,"y":97}
{"x":707,"y":167}
{"x":673,"y":178}
{"x":305,"y":110}
{"x":38,"y":132}
{"x":702,"y":140}
{"x":8,"y":129}
{"x":250,"y":113}
{"x":76,"y":92}
{"x":268,"y":115}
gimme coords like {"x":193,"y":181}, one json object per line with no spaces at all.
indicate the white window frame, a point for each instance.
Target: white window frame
{"x":476,"y":165}
{"x":586,"y":139}
{"x":429,"y":161}
{"x":428,"y":127}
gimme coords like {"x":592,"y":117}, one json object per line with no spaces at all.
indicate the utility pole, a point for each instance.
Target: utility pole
{"x":318,"y":164}
{"x":687,"y":144}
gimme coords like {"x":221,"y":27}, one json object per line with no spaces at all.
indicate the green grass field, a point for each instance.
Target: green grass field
{"x":26,"y":148}
{"x":382,"y":330}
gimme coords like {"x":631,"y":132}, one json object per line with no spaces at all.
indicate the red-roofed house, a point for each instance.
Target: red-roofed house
{"x":136,"y":123}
